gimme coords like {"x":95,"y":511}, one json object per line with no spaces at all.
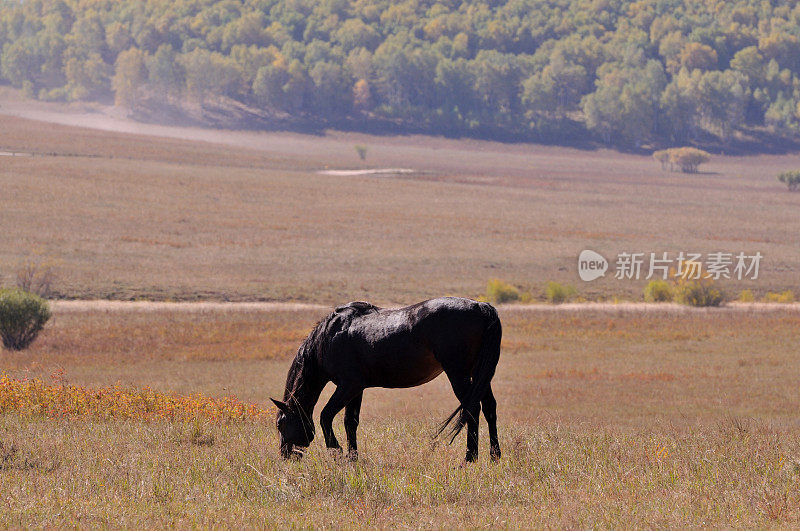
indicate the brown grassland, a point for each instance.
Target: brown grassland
{"x":248,"y":218}
{"x":607,"y":418}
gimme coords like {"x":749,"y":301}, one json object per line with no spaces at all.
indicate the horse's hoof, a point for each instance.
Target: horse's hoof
{"x":468,"y":460}
{"x":352,"y":455}
{"x":495,"y":454}
{"x":336,"y":453}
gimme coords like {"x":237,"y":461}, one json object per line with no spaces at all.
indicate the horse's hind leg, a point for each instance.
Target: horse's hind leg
{"x":351,"y":414}
{"x":461,"y":387}
{"x":472,"y":434}
{"x":490,"y":413}
{"x":341,"y":396}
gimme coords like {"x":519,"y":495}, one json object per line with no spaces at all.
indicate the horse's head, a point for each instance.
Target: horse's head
{"x":295,"y":428}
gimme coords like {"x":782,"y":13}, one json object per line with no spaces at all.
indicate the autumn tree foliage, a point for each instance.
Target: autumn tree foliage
{"x":623,"y":72}
{"x":130,"y":75}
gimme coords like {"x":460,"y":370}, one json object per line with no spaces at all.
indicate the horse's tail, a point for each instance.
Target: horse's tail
{"x":488,"y":356}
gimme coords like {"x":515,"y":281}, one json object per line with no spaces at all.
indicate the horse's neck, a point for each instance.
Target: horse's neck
{"x":306,"y":386}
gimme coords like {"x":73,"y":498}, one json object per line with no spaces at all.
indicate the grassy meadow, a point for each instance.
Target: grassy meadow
{"x":607,"y":418}
{"x":248,"y":216}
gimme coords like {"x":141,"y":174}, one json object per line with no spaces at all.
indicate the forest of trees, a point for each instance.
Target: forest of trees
{"x":624,"y":72}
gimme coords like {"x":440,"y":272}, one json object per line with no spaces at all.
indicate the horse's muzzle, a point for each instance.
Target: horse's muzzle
{"x":290,"y":451}
{"x":286,"y":451}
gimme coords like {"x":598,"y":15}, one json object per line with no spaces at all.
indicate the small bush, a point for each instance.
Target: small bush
{"x":37,"y":276}
{"x":701,"y":292}
{"x":22,"y":317}
{"x":658,"y":291}
{"x":686,"y":159}
{"x":662,"y":157}
{"x":791,"y":179}
{"x":500,"y":291}
{"x":746,"y":296}
{"x":783,"y":297}
{"x":362,"y":151}
{"x":558,"y":293}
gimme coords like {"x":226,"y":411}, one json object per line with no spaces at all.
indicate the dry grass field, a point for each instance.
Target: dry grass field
{"x":607,"y":418}
{"x":247,"y":216}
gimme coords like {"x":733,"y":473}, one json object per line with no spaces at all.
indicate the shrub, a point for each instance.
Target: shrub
{"x":658,"y":291}
{"x":36,"y":276}
{"x":662,"y":157}
{"x":784,"y":296}
{"x":362,"y":151}
{"x":22,"y":317}
{"x":687,"y":159}
{"x":34,"y":397}
{"x":557,"y":293}
{"x":500,"y":291}
{"x":701,"y":292}
{"x":791,"y":179}
{"x":746,"y":296}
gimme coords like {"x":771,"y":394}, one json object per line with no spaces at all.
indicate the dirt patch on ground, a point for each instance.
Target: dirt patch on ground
{"x":377,"y":171}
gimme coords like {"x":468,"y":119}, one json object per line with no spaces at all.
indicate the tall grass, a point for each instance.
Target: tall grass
{"x":739,"y":473}
{"x":606,"y":419}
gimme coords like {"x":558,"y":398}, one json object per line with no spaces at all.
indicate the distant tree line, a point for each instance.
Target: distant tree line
{"x":628,"y":72}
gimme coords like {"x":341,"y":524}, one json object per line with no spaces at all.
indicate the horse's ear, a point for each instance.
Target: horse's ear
{"x":280,"y":405}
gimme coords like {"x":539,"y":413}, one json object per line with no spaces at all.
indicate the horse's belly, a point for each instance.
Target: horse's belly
{"x":410,"y":371}
{"x":418,"y":379}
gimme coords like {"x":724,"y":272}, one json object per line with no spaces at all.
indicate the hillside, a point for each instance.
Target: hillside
{"x":650,"y":72}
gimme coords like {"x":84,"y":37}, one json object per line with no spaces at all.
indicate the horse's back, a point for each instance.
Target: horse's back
{"x":430,"y":317}
{"x":448,"y":318}
{"x":409,"y":346}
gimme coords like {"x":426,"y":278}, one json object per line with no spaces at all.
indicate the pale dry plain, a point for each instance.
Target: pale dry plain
{"x":608,"y":417}
{"x":249,"y":217}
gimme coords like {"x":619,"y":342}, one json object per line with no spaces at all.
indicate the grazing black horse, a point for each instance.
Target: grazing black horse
{"x":360,"y":345}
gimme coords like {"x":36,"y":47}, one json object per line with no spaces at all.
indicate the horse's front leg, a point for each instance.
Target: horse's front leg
{"x":338,"y":400}
{"x":351,"y":414}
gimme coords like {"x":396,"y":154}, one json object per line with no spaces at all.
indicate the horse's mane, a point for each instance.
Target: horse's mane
{"x":316,"y":344}
{"x":336,"y":321}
